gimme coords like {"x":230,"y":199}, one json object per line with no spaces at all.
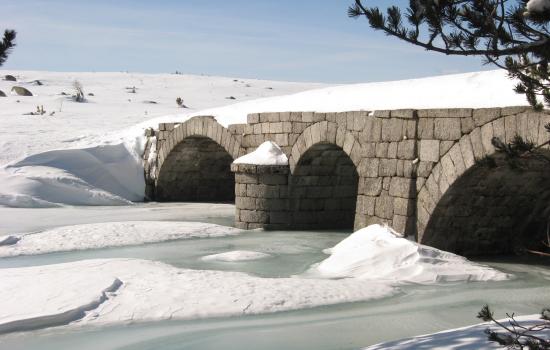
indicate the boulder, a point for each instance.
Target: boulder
{"x":2,"y":93}
{"x":10,"y":78}
{"x":21,"y":91}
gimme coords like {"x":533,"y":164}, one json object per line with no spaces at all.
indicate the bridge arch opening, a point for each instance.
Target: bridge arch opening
{"x":493,"y":208}
{"x":323,"y":189}
{"x":196,"y":170}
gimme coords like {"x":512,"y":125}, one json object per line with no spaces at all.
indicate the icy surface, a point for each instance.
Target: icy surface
{"x":236,"y":255}
{"x":268,"y":153}
{"x":110,"y":234}
{"x":465,"y":338}
{"x":151,"y":291}
{"x":375,"y":253}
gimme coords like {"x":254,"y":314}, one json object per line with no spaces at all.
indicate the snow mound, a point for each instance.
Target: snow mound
{"x":464,"y":338}
{"x":102,"y":175}
{"x":235,"y":256}
{"x":153,"y":291}
{"x":40,"y":297}
{"x":268,"y":153}
{"x":376,"y":253}
{"x":110,"y":234}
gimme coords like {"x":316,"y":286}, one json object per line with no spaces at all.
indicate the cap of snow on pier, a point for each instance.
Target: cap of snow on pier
{"x":268,"y":153}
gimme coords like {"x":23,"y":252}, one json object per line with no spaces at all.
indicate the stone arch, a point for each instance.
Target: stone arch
{"x":324,"y":178}
{"x":194,"y":163}
{"x":472,"y":205}
{"x":326,"y":132}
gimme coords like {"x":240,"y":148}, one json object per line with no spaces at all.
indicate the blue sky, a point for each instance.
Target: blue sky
{"x":296,"y":40}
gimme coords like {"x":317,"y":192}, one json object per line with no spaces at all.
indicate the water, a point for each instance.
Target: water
{"x":416,"y":310}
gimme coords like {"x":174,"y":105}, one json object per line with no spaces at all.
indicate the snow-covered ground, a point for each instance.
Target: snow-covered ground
{"x":110,"y":234}
{"x":104,"y":167}
{"x":464,"y":338}
{"x":113,"y":107}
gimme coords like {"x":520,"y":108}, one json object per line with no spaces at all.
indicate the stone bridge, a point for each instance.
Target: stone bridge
{"x":429,"y":173}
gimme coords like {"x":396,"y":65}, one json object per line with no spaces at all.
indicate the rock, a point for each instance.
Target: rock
{"x":91,"y":94}
{"x":230,"y":98}
{"x":2,"y":93}
{"x":37,"y":82}
{"x":10,"y":78}
{"x":21,"y":91}
{"x":8,"y":240}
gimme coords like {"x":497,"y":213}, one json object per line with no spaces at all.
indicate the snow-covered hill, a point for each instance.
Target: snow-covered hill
{"x":102,"y":167}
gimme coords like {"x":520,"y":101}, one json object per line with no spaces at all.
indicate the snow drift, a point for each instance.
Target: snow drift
{"x":376,"y":253}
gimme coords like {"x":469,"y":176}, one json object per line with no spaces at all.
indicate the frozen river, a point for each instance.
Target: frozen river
{"x":416,"y":309}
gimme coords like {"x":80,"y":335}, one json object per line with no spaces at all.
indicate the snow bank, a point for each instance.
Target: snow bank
{"x":465,"y":338}
{"x":110,"y":234}
{"x":152,"y":291}
{"x":235,"y":256}
{"x":376,"y":253}
{"x":268,"y":153}
{"x":113,"y":172}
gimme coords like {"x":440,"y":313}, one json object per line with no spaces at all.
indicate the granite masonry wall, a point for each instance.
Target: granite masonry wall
{"x":411,"y":169}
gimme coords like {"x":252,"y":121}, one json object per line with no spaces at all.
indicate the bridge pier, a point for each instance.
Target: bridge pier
{"x":261,"y":196}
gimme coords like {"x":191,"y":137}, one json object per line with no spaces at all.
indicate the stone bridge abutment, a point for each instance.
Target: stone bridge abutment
{"x":429,"y":173}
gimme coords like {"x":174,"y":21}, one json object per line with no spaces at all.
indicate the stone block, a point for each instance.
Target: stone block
{"x":370,"y":186}
{"x":273,"y":179}
{"x":392,"y":129}
{"x":429,"y":150}
{"x":382,"y":149}
{"x":447,"y":129}
{"x":444,"y":147}
{"x":253,"y":216}
{"x":382,"y":114}
{"x":402,"y":187}
{"x":392,"y":150}
{"x":486,"y":137}
{"x":406,"y":149}
{"x":467,"y":125}
{"x":409,"y":129}
{"x":477,"y":145}
{"x":384,"y":207}
{"x":399,"y":223}
{"x":467,"y":151}
{"x":403,"y":113}
{"x":510,"y":128}
{"x":280,"y":217}
{"x":296,"y":116}
{"x":245,"y":203}
{"x":483,"y":116}
{"x":403,"y":206}
{"x":307,"y":117}
{"x":456,"y":156}
{"x":426,"y":128}
{"x":387,"y":167}
{"x":246,"y":178}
